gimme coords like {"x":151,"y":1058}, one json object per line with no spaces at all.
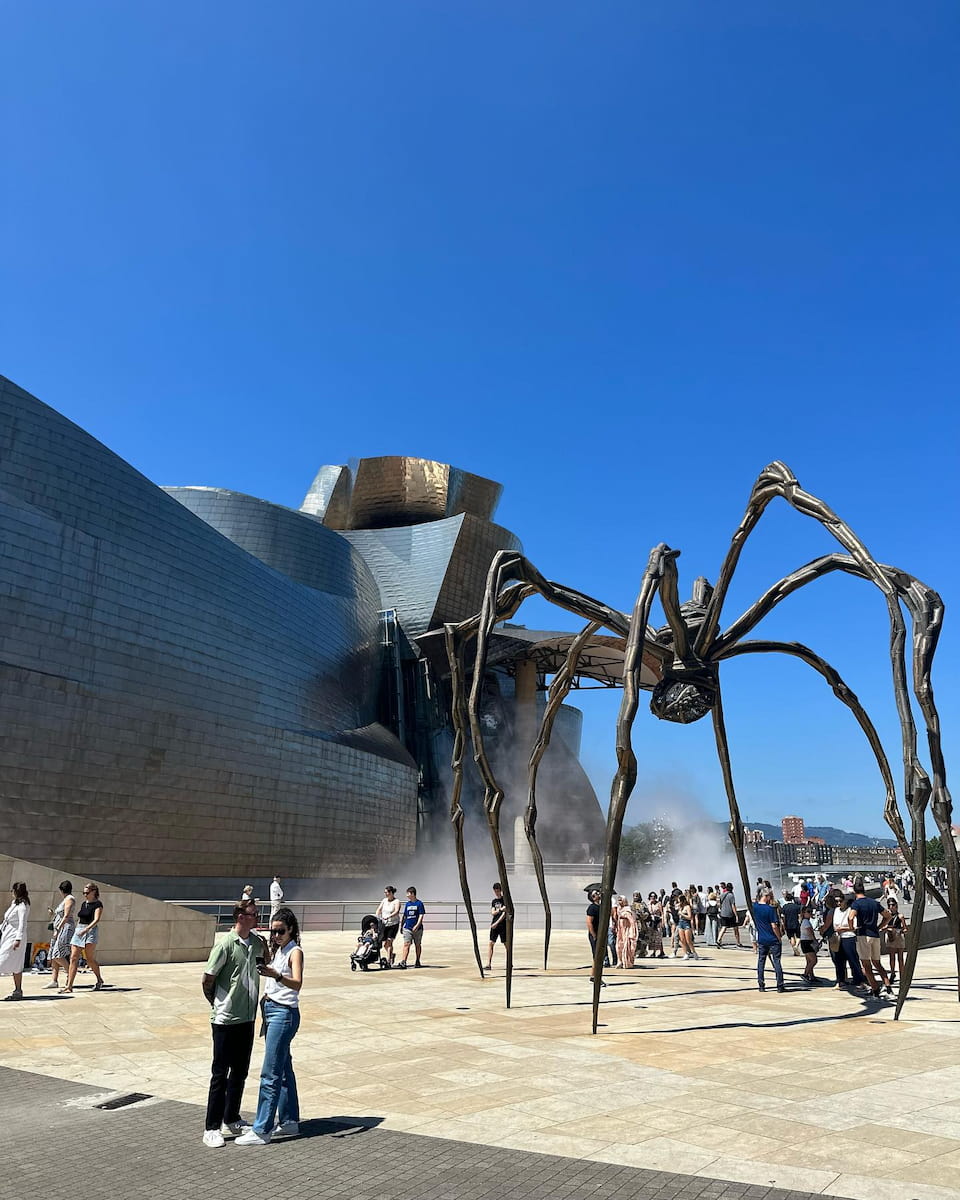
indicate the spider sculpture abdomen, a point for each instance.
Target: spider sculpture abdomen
{"x":683,"y":697}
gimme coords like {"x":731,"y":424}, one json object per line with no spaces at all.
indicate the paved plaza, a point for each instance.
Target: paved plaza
{"x":420,"y":1083}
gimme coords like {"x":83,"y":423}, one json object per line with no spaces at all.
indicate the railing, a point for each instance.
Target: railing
{"x":333,"y":915}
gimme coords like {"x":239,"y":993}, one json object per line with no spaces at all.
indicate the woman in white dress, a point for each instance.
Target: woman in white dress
{"x":13,"y":939}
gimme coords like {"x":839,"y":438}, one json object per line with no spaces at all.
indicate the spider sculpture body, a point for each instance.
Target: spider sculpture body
{"x":690,"y":690}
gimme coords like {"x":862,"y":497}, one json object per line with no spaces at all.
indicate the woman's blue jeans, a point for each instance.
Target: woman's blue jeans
{"x":848,"y":948}
{"x":278,"y":1085}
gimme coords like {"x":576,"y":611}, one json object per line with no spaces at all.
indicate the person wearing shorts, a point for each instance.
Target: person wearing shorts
{"x":388,"y":910}
{"x":871,"y":919}
{"x":411,"y":928}
{"x":808,"y":944}
{"x":83,"y":944}
{"x":498,"y":922}
{"x":728,"y":916}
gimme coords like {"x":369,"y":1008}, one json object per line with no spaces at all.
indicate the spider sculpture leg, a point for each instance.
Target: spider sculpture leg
{"x":926,"y":612}
{"x":500,"y":603}
{"x":846,"y":696}
{"x":459,"y":718}
{"x":626,"y":775}
{"x":735,"y":828}
{"x":557,"y":693}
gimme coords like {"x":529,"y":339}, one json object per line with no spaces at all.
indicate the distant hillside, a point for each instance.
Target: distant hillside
{"x":833,"y":837}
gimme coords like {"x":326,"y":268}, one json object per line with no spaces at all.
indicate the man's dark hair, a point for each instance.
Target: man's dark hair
{"x":411,"y":888}
{"x":66,"y":887}
{"x":242,"y":907}
{"x":498,"y":886}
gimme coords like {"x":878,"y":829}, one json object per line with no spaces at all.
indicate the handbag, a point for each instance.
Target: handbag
{"x":834,"y":943}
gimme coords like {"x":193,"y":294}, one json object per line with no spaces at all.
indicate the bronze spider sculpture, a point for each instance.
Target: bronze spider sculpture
{"x":690,"y":689}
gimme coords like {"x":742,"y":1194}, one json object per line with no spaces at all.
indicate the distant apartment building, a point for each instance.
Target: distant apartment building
{"x":753,"y":837}
{"x":861,"y":856}
{"x":792,"y":830}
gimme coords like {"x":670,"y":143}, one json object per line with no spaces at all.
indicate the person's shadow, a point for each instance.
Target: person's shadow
{"x":338,"y":1127}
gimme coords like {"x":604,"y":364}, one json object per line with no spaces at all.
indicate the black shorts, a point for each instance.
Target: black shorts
{"x":808,"y":947}
{"x":390,"y":932}
{"x":728,"y":922}
{"x":500,"y":933}
{"x":793,"y":931}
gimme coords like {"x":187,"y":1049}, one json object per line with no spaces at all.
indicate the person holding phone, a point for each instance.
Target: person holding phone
{"x":278,"y":1106}
{"x":231,"y":984}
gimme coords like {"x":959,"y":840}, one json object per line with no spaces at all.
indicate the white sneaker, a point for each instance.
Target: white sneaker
{"x":51,"y":985}
{"x":235,"y":1128}
{"x":213,"y":1138}
{"x":252,"y":1138}
{"x":287,"y":1129}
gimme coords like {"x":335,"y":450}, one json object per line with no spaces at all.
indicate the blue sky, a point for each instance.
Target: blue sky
{"x":617,"y":256}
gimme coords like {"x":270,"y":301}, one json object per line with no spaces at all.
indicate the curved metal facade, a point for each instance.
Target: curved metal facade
{"x":172,"y":705}
{"x":199,"y":685}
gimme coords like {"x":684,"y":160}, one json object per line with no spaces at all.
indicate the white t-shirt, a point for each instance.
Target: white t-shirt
{"x":276,"y":892}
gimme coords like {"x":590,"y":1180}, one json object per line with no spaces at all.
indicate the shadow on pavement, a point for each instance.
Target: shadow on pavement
{"x":337,"y":1126}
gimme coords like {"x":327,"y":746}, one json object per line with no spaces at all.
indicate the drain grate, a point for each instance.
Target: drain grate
{"x":123,"y":1101}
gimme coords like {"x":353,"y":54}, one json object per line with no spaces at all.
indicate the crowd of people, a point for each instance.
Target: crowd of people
{"x":856,"y":929}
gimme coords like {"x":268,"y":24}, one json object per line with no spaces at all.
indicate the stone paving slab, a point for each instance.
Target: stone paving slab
{"x":154,"y":1151}
{"x":693,"y":1070}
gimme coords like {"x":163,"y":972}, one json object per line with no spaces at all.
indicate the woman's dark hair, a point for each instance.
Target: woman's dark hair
{"x":20,"y":893}
{"x":286,"y":916}
{"x":66,"y":887}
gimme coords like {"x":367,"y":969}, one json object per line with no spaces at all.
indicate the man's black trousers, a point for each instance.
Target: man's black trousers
{"x":232,"y":1046}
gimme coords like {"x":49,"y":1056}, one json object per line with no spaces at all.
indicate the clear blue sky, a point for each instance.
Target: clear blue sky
{"x":617,"y":256}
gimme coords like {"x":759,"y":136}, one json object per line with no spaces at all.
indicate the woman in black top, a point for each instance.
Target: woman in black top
{"x":84,"y":941}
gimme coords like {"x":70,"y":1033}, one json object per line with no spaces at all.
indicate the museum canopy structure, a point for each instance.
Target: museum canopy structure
{"x":198,"y":686}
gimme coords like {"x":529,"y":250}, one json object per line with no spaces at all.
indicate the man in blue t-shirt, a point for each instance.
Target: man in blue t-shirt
{"x":411,"y":927}
{"x":769,"y":934}
{"x":871,"y":919}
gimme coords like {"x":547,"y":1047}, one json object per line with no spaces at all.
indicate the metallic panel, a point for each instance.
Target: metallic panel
{"x":395,"y":491}
{"x":171,"y":705}
{"x":433,"y":572}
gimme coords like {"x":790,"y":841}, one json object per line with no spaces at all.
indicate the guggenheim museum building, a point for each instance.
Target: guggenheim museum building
{"x":198,"y":687}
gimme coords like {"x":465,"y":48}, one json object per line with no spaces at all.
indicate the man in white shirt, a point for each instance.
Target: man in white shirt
{"x":276,"y":896}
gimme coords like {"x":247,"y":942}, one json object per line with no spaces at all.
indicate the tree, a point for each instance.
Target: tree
{"x":935,"y":856}
{"x":643,"y":844}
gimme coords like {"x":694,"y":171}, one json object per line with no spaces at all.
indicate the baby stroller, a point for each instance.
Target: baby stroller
{"x":368,"y":945}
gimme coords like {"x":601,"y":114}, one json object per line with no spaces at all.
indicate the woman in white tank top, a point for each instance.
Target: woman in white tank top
{"x":278,"y":1107}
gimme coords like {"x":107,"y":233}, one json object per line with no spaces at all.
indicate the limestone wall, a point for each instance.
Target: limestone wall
{"x":133,"y":928}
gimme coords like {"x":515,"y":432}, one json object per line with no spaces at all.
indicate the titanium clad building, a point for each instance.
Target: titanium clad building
{"x":198,"y":686}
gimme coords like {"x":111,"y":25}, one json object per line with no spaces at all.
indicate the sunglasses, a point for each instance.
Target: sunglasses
{"x":279,"y":932}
